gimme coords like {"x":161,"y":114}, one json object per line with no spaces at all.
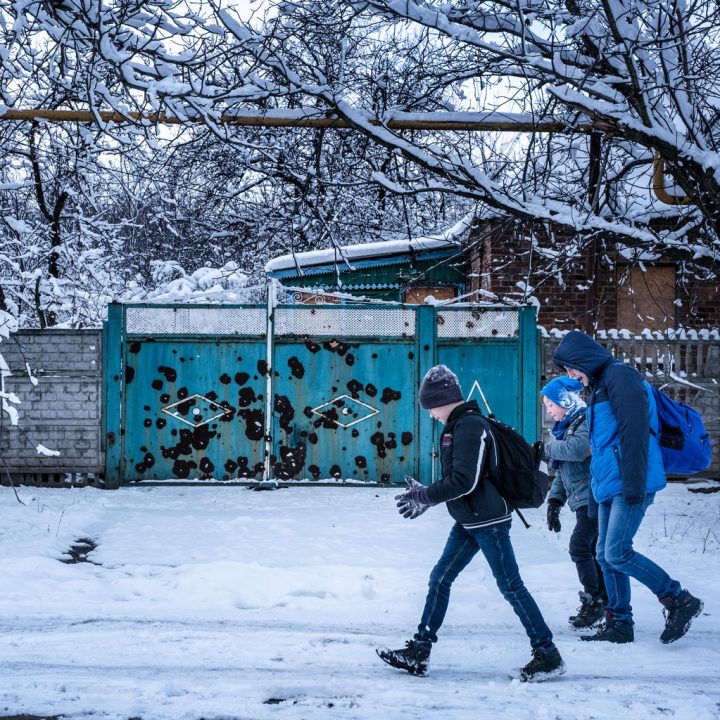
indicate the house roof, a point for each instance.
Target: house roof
{"x":383,"y":252}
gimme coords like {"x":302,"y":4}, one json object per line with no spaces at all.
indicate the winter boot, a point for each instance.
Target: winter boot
{"x":679,"y":613}
{"x":614,"y":631}
{"x":543,"y":666}
{"x":590,"y":611}
{"x":413,"y":657}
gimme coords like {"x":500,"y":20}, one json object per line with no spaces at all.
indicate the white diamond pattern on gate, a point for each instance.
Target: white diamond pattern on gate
{"x":199,"y":408}
{"x":346,"y":408}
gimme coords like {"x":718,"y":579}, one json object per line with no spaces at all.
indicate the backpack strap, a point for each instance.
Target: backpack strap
{"x":488,"y":426}
{"x":577,"y":421}
{"x":521,"y":516}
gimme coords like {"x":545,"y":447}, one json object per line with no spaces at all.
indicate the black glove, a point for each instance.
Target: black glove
{"x":553,"y":515}
{"x":414,"y":501}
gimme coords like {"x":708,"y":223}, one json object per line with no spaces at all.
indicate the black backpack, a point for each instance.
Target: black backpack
{"x":520,"y":475}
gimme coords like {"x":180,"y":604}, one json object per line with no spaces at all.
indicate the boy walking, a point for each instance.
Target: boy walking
{"x":482,"y":523}
{"x":627,"y":470}
{"x":569,"y":456}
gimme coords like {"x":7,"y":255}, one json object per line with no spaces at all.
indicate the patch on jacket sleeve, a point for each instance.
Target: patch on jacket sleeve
{"x":446,"y":440}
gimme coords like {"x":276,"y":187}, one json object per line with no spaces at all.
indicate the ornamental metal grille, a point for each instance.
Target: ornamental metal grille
{"x":477,"y":323}
{"x":342,"y":322}
{"x":195,"y":321}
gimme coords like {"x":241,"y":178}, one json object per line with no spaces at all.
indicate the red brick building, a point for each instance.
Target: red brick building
{"x":589,"y":289}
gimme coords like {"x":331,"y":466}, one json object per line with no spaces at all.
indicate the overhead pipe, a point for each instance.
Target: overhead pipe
{"x":311,"y":118}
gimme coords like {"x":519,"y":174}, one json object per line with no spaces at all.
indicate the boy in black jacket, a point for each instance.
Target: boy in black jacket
{"x":482,"y":523}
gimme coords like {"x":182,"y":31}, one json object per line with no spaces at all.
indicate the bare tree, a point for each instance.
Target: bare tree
{"x":206,"y":190}
{"x":642,"y":72}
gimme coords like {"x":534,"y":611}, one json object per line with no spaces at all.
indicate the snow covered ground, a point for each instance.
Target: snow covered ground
{"x":220,"y":602}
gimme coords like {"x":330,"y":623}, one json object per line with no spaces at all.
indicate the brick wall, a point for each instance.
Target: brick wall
{"x":703,"y":304}
{"x":501,"y":261}
{"x":61,"y":411}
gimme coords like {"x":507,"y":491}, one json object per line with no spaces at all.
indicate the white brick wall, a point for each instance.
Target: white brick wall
{"x":63,"y":410}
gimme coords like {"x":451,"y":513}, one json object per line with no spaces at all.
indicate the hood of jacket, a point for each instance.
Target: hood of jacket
{"x":580,"y":352}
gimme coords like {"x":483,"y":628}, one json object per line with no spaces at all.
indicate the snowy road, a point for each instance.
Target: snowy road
{"x":226,"y":603}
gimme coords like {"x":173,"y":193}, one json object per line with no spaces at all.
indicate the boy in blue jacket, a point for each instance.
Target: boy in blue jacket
{"x":627,"y":470}
{"x":569,"y":455}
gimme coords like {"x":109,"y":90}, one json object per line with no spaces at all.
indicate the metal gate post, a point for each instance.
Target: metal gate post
{"x":426,"y":354}
{"x":529,"y":372}
{"x":270,"y":364}
{"x":113,"y":387}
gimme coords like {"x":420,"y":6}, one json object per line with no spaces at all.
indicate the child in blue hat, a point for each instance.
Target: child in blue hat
{"x":569,"y":455}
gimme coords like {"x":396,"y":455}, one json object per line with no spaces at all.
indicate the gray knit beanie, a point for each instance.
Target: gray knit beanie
{"x":439,"y":387}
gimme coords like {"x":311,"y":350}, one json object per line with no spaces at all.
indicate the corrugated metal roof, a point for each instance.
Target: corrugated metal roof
{"x":349,"y":257}
{"x":382,"y":261}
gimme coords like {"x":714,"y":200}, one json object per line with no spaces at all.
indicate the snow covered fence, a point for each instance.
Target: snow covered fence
{"x":57,"y":376}
{"x":686,"y":368}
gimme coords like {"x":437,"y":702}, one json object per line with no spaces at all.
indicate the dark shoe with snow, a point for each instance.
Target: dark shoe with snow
{"x":543,"y":666}
{"x":590,"y":612}
{"x":614,"y":631}
{"x":679,"y":613}
{"x":413,"y":657}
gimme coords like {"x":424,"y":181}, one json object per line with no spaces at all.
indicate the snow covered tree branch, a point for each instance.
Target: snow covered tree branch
{"x":645,"y":73}
{"x":640,"y":71}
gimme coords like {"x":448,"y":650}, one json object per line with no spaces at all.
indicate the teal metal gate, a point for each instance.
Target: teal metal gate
{"x":300,"y":392}
{"x":344,"y":393}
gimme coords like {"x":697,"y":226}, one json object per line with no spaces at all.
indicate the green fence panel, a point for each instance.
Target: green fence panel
{"x":344,"y":410}
{"x":185,"y":392}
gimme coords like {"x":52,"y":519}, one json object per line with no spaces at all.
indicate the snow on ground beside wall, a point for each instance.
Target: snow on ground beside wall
{"x":220,"y":602}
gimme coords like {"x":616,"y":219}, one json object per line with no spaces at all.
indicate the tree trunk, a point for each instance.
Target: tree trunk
{"x":49,"y":318}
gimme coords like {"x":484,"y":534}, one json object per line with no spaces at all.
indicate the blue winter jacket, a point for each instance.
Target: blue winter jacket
{"x":621,"y":418}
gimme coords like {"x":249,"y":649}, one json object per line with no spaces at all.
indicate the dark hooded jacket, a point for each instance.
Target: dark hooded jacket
{"x":622,"y":421}
{"x":467,"y":456}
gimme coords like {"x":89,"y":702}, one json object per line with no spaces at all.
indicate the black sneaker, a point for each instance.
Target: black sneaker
{"x":543,"y":666}
{"x":679,"y":613}
{"x":413,"y":657}
{"x":614,"y":631}
{"x":590,"y":612}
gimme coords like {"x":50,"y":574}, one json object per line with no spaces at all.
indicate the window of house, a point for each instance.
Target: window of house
{"x":646,"y":299}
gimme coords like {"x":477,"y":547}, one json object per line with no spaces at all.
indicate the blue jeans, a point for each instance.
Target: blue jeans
{"x":617,"y":524}
{"x":461,"y":547}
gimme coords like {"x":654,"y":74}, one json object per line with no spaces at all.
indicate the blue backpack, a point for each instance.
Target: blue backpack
{"x":684,"y":442}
